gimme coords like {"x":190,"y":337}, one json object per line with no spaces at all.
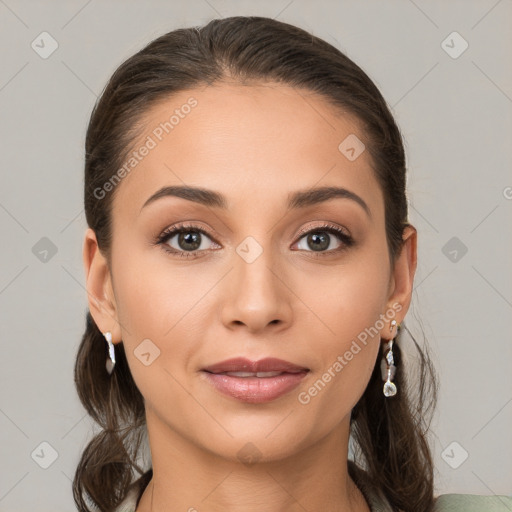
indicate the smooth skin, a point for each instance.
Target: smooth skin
{"x":255,"y":144}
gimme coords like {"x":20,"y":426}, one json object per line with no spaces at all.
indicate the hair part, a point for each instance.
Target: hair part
{"x":390,"y":432}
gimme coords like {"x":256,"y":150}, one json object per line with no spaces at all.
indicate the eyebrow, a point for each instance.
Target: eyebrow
{"x":296,"y":200}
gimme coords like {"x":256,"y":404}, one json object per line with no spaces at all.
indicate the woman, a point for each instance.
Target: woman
{"x":249,"y":266}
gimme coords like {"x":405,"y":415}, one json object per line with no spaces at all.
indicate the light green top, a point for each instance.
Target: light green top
{"x":443,"y":503}
{"x":378,"y":503}
{"x":473,"y":503}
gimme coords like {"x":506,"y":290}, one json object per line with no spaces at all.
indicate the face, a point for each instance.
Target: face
{"x":252,"y":274}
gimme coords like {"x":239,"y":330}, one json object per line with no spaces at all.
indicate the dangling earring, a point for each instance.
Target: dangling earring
{"x":388,"y":367}
{"x":111,"y":361}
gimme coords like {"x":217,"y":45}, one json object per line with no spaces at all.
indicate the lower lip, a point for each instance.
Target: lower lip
{"x":255,"y":390}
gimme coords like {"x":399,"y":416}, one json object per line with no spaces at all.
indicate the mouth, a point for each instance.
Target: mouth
{"x":254,"y":381}
{"x":252,"y":374}
{"x":266,"y":365}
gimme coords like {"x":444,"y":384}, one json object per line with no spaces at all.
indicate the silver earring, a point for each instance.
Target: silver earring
{"x":388,"y":367}
{"x":111,"y":361}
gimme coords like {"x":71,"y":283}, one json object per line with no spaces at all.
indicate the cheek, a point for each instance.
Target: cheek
{"x":349,"y":302}
{"x":344,"y":360}
{"x":161,"y":312}
{"x":153,"y":293}
{"x":348,"y":297}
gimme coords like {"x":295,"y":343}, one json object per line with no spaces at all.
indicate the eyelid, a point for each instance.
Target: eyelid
{"x":324,"y":225}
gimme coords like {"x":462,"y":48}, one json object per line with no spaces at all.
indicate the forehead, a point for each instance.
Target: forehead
{"x":249,"y":142}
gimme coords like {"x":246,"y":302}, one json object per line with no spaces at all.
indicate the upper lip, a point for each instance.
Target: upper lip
{"x":242,"y":364}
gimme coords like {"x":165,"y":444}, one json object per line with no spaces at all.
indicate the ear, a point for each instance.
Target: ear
{"x":402,"y":275}
{"x":99,"y":288}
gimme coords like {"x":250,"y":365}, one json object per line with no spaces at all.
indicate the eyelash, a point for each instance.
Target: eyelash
{"x":346,"y":240}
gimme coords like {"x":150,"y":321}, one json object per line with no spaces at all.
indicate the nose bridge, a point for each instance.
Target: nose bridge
{"x":257,"y":295}
{"x":253,"y":268}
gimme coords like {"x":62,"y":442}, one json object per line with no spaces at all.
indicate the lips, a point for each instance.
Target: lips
{"x":254,"y":381}
{"x":241,"y":364}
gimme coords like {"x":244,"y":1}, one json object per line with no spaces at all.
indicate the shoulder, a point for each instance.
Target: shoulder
{"x":472,"y":503}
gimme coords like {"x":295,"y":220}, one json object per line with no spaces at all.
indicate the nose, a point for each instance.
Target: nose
{"x":257,"y":296}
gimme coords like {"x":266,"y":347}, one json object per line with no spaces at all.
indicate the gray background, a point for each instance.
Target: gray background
{"x":455,"y":114}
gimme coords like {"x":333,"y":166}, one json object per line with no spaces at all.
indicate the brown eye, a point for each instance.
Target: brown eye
{"x":185,"y":241}
{"x":321,"y":239}
{"x":189,"y":240}
{"x":318,"y":241}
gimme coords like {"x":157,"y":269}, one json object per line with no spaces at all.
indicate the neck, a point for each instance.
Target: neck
{"x":189,"y":478}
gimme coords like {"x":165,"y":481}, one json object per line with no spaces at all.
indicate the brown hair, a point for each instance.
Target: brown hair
{"x":390,"y":433}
